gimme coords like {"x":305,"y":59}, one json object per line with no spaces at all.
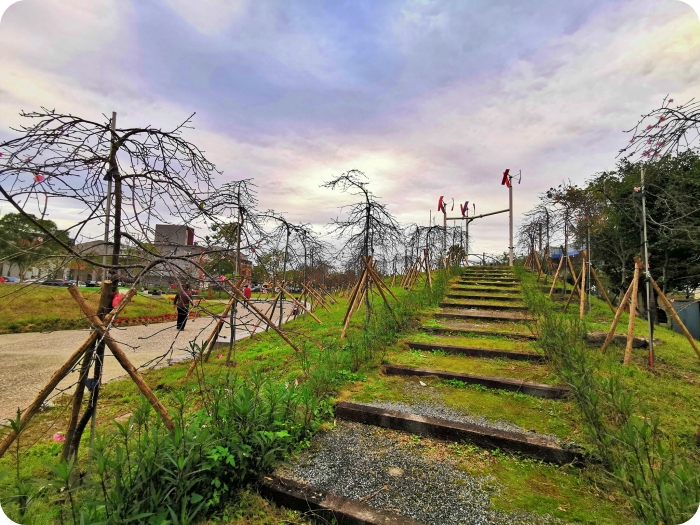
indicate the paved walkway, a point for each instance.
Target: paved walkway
{"x":27,"y":361}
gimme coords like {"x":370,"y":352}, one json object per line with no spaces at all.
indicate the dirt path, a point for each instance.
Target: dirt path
{"x":27,"y":361}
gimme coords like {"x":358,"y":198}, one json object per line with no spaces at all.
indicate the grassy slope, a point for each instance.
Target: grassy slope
{"x":518,"y":484}
{"x":672,"y":382}
{"x":34,"y":308}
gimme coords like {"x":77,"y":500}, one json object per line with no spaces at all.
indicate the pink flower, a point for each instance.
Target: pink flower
{"x":637,"y":189}
{"x":649,"y":126}
{"x":219,"y":356}
{"x":38,"y":177}
{"x":670,"y":100}
{"x":58,"y":437}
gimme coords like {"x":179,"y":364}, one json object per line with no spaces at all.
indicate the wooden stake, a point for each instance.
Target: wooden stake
{"x":556,"y":276}
{"x":301,"y":305}
{"x":633,"y":312}
{"x":602,"y":289}
{"x":121,"y":358}
{"x":572,"y":295}
{"x":616,"y":319}
{"x":380,"y":282}
{"x":353,"y":296}
{"x":676,"y":318}
{"x":52,"y":383}
{"x":105,"y":305}
{"x":573,"y":272}
{"x":210,"y":341}
{"x":314,"y":294}
{"x":351,"y":306}
{"x":381,"y":292}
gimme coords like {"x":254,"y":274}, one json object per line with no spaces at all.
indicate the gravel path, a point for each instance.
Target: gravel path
{"x":28,"y":360}
{"x":358,"y":461}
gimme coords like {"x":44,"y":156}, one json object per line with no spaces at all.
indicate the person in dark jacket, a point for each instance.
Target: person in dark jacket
{"x":182,"y":301}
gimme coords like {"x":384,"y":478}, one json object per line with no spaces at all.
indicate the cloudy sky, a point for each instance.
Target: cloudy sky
{"x":428,"y":98}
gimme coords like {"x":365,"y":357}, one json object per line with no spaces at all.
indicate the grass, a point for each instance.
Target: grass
{"x":489,"y":326}
{"x":491,"y":342}
{"x":36,"y":308}
{"x":543,"y":415}
{"x":484,"y":302}
{"x":500,"y":367}
{"x":517,"y":484}
{"x":672,"y":382}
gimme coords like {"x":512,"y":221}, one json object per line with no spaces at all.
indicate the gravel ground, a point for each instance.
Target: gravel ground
{"x":433,"y":406}
{"x":28,"y":360}
{"x":358,"y":461}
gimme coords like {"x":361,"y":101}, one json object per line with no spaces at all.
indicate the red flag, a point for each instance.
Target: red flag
{"x":506,"y":180}
{"x":441,"y":204}
{"x":464,"y":208}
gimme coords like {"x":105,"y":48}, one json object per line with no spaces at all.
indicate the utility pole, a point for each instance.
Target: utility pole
{"x":647,"y":274}
{"x":466,"y":237}
{"x":588,"y":277}
{"x":565,"y":251}
{"x":108,"y":202}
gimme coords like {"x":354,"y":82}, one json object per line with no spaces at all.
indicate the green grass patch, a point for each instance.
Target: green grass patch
{"x":490,"y":342}
{"x":500,"y":367}
{"x":542,"y":415}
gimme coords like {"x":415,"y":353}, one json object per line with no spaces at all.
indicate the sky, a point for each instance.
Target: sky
{"x":428,"y":98}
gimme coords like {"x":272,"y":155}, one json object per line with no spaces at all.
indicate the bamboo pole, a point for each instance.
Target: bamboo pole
{"x":633,"y":313}
{"x":121,"y":358}
{"x":556,"y":276}
{"x":602,"y":289}
{"x":616,"y":319}
{"x":676,"y":318}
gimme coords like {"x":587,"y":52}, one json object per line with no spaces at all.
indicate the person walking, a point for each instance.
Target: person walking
{"x":182,"y":301}
{"x":247,"y":292}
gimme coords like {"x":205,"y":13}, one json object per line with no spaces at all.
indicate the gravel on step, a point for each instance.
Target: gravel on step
{"x":366,"y":463}
{"x":426,"y":401}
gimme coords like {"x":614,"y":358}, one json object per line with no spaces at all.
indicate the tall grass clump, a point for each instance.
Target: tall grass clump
{"x":228,"y":433}
{"x":662,"y":484}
